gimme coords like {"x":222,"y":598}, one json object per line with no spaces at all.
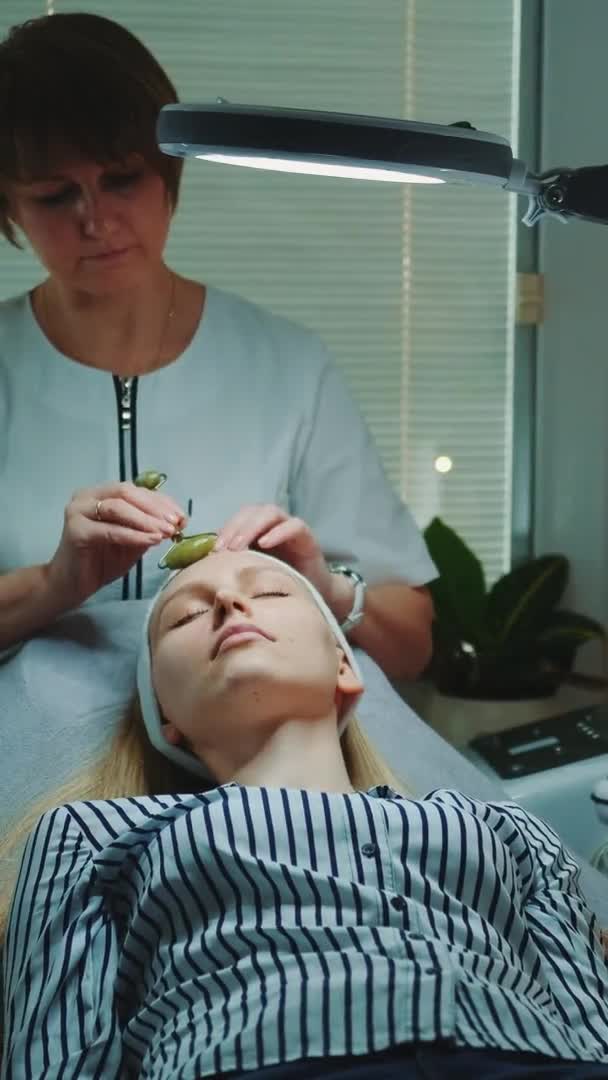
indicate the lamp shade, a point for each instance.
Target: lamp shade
{"x":340,"y":144}
{"x":375,"y":148}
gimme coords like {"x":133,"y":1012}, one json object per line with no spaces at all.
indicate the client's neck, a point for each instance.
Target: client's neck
{"x":297,"y":755}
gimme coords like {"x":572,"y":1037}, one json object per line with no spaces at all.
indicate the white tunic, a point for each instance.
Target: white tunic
{"x":253,"y":411}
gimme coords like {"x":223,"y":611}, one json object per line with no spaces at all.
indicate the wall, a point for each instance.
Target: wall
{"x":571,"y":489}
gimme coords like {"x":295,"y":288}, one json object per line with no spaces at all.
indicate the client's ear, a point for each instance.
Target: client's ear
{"x":347,"y":683}
{"x":171,"y":734}
{"x":174,"y":736}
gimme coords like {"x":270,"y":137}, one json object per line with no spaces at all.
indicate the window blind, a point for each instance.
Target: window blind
{"x":411,"y":288}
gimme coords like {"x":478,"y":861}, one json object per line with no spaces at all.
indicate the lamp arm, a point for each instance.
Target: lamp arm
{"x":566,"y":193}
{"x":561,"y":193}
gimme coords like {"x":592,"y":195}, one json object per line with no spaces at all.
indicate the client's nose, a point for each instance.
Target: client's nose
{"x":227,"y":600}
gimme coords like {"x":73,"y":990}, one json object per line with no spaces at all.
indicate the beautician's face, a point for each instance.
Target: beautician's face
{"x":95,"y":227}
{"x":215,"y":692}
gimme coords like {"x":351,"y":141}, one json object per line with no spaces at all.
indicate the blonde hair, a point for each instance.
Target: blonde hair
{"x":132,"y":766}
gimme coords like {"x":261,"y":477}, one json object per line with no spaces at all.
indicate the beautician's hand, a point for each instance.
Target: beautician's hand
{"x":276,"y":532}
{"x":106,"y":530}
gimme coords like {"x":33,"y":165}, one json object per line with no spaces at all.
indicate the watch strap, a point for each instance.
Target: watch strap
{"x":356,"y":614}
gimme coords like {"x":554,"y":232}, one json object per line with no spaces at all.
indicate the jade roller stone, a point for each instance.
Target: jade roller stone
{"x":188,"y":550}
{"x":151,"y":480}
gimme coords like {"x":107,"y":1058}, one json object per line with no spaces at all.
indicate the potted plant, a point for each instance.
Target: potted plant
{"x":510,"y":643}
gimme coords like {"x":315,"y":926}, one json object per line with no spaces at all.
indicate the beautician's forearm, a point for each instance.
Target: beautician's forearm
{"x":26,"y":604}
{"x":396,"y":630}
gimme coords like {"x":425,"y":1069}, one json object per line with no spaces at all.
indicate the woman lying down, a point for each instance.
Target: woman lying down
{"x":290,"y":913}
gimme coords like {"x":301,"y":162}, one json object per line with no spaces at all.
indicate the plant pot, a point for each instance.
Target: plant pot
{"x":459,"y":720}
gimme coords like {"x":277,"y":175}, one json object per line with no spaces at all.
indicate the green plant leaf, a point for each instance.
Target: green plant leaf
{"x":521,"y":602}
{"x":459,"y":594}
{"x":499,"y":681}
{"x":563,"y":635}
{"x":506,"y":644}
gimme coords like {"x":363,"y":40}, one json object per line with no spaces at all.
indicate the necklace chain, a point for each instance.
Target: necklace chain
{"x":163,"y":334}
{"x":168,"y":318}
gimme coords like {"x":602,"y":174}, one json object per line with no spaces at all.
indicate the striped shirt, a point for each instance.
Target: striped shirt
{"x":175,"y":937}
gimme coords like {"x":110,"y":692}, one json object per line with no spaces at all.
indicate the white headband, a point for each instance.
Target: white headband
{"x":149,"y":702}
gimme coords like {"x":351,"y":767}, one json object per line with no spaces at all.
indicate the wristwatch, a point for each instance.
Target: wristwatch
{"x":357,"y":613}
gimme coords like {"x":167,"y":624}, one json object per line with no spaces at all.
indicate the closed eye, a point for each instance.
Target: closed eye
{"x":187,"y":618}
{"x":123,"y":179}
{"x":202,"y":611}
{"x":57,"y":197}
{"x":64,"y":195}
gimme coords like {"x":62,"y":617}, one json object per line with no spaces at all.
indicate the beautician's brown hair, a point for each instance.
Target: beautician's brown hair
{"x":78,"y":83}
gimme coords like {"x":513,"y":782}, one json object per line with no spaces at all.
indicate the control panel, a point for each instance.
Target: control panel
{"x":546,"y":744}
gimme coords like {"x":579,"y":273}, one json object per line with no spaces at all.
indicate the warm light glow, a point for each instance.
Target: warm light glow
{"x":316,"y":168}
{"x":443,"y":463}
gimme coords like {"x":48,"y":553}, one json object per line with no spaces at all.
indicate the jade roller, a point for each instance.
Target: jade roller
{"x":185,"y":549}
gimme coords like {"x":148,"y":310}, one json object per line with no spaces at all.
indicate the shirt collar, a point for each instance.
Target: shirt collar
{"x":378,"y":791}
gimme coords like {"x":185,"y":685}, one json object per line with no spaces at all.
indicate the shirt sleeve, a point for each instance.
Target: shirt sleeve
{"x":340,"y":489}
{"x":561,"y":926}
{"x":60,"y":959}
{"x":565,"y":931}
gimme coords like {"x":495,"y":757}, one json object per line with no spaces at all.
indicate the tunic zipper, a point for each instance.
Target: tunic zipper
{"x":126,"y":402}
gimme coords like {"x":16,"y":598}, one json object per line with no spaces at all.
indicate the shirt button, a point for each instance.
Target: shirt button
{"x":398,"y":903}
{"x":416,"y":937}
{"x":369,"y":850}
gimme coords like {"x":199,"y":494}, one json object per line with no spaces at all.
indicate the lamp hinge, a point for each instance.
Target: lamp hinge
{"x":530,"y":306}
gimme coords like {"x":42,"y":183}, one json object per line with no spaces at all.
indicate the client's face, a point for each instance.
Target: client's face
{"x":227,"y":694}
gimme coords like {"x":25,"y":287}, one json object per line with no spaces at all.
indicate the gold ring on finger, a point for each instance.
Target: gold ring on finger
{"x":98,"y":510}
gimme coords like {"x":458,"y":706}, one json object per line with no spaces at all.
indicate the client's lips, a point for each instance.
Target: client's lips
{"x":237,"y":628}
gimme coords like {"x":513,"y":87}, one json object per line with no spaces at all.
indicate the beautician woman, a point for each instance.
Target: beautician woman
{"x":115,"y":364}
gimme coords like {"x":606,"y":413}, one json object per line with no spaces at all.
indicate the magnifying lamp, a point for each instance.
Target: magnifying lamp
{"x":375,"y":148}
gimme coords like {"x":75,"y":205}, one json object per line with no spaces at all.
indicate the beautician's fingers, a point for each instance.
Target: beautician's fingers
{"x":83,"y":565}
{"x":288,"y":538}
{"x":294,"y":543}
{"x":106,"y":529}
{"x":105,"y":514}
{"x":250,"y":522}
{"x":294,"y":534}
{"x":129,"y":505}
